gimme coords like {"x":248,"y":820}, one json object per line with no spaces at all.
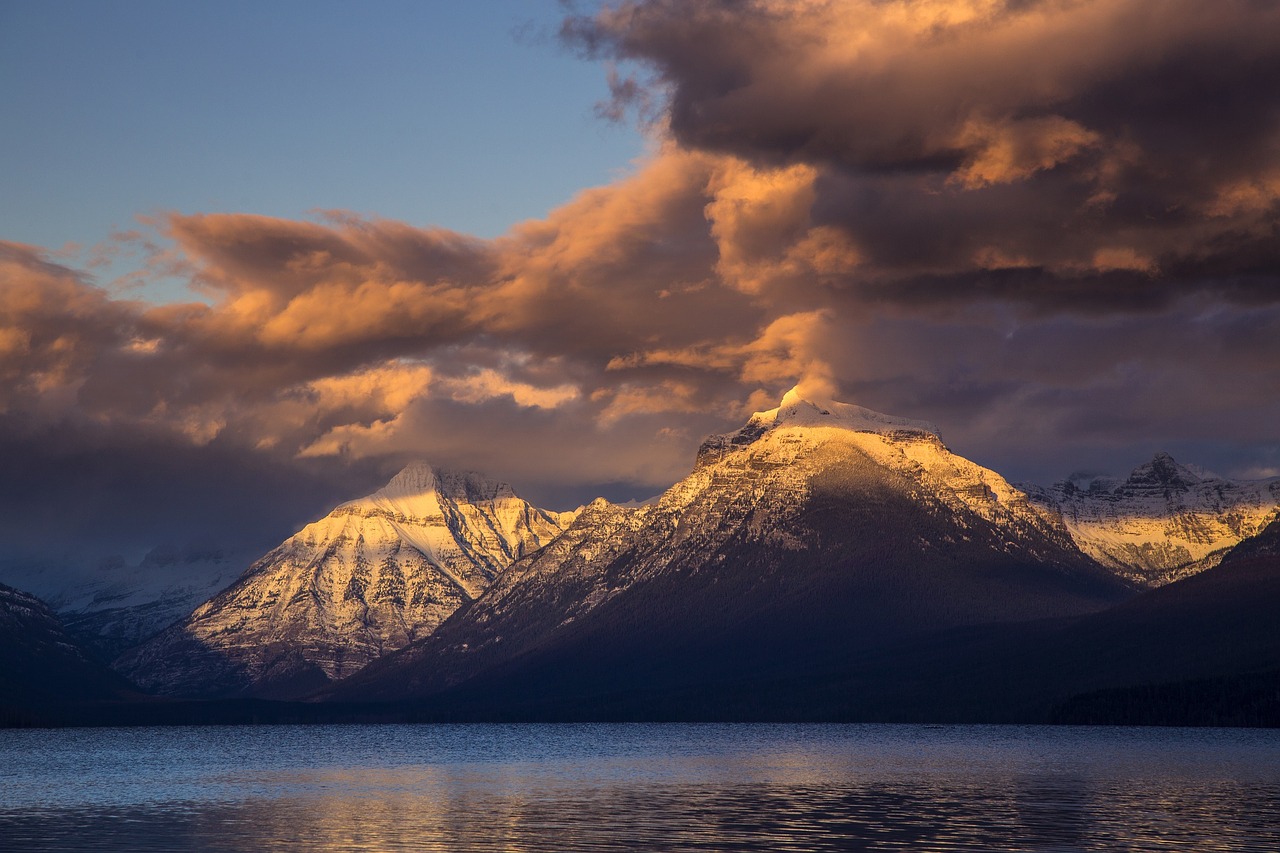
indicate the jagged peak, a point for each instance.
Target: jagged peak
{"x":599,"y":507}
{"x":419,"y":486}
{"x":415,"y":478}
{"x":792,"y":397}
{"x":1164,"y":470}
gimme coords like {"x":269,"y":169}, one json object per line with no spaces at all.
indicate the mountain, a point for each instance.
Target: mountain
{"x":1203,"y":650}
{"x":1165,"y":521}
{"x":818,"y":530}
{"x":1213,"y":634}
{"x":372,"y":576}
{"x":114,"y":605}
{"x":41,"y":664}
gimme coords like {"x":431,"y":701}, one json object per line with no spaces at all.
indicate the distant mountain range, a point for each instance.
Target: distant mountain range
{"x":1165,"y":521}
{"x":822,"y":562}
{"x":114,"y":605}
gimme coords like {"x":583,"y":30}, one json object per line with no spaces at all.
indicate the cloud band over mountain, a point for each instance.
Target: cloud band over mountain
{"x":1050,"y":226}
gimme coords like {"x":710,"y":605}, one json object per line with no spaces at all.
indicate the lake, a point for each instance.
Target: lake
{"x":662,"y":787}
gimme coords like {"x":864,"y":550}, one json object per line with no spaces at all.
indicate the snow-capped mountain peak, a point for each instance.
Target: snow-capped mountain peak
{"x":1166,"y":520}
{"x":798,"y":412}
{"x":418,"y":490}
{"x":784,"y":450}
{"x":370,"y":577}
{"x":1164,"y":471}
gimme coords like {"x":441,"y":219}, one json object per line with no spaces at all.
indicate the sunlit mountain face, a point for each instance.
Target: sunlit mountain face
{"x":369,"y":578}
{"x":1164,"y":521}
{"x":816,"y":531}
{"x":1047,"y":227}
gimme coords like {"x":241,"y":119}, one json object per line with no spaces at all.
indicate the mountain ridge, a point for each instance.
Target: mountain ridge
{"x":806,"y":505}
{"x":370,"y":576}
{"x":1163,"y":522}
{"x":823,"y":561}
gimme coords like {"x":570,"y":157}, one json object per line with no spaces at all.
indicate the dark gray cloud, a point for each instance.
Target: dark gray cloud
{"x":76,"y":493}
{"x":953,"y":138}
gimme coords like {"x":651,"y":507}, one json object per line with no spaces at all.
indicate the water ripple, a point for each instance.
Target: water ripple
{"x":670,"y":788}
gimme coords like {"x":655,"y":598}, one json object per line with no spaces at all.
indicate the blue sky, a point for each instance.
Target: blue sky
{"x":465,"y":115}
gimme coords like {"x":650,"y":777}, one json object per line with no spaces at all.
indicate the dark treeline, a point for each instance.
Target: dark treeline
{"x":1245,"y":700}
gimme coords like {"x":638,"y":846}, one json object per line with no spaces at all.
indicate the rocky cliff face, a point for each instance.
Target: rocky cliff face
{"x":372,"y":576}
{"x":817,"y":528}
{"x":1165,"y":521}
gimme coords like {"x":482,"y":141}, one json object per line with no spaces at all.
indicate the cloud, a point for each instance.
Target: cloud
{"x":936,"y":140}
{"x":54,"y":325}
{"x":1015,"y":149}
{"x":766,"y":238}
{"x":315,"y":338}
{"x":904,"y":84}
{"x":1049,"y":226}
{"x":353,"y":285}
{"x":487,"y":383}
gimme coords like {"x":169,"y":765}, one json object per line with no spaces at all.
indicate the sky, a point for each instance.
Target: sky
{"x":257,"y":256}
{"x":463,"y":115}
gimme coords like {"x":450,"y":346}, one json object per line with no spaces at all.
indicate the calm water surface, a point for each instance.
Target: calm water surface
{"x":640,"y":787}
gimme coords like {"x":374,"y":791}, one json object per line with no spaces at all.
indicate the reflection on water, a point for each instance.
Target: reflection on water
{"x":627,"y":787}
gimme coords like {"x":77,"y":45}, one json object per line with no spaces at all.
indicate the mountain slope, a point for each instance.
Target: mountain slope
{"x":1188,"y":652}
{"x":42,"y":665}
{"x":814,"y":531}
{"x":1165,"y":521}
{"x":114,"y":605}
{"x":372,"y":576}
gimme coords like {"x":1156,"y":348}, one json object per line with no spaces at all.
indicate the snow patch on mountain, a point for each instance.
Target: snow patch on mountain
{"x":780,"y":437}
{"x":370,"y":577}
{"x":796,"y":413}
{"x":1164,"y":521}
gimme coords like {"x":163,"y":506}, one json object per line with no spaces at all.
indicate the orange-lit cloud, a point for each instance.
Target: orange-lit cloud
{"x":1014,"y":150}
{"x":925,"y":136}
{"x":54,"y":326}
{"x":1048,"y":226}
{"x":486,"y":384}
